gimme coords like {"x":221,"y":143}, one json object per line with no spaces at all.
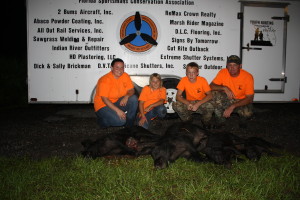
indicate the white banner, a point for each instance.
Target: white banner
{"x":71,"y":43}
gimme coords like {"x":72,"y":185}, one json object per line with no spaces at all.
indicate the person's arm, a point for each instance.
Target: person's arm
{"x":202,"y":101}
{"x":158,"y":103}
{"x":129,"y":93}
{"x":247,"y":100}
{"x":180,"y":98}
{"x":109,"y":104}
{"x":142,"y":116}
{"x":227,"y":90}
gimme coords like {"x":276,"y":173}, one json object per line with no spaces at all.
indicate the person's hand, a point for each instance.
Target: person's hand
{"x":228,"y":111}
{"x":142,"y":121}
{"x":190,"y":106}
{"x":124,"y":101}
{"x":195,"y":107}
{"x":121,"y":114}
{"x":229,"y":93}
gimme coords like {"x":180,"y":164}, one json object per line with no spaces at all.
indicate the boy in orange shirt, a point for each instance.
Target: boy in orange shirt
{"x":233,"y":91}
{"x":198,"y":94}
{"x":151,"y":101}
{"x":115,"y":103}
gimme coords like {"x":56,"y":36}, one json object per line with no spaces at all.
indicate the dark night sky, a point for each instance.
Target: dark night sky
{"x":13,"y":31}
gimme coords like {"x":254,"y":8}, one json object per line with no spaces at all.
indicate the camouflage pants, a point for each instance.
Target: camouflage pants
{"x":220,"y":102}
{"x":205,"y":110}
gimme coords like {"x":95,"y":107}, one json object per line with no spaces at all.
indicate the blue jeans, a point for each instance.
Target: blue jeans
{"x":106,"y":117}
{"x":158,"y":111}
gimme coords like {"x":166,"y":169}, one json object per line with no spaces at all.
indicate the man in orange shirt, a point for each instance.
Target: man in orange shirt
{"x":151,"y":101}
{"x":115,"y":103}
{"x":233,"y":91}
{"x":198,"y":94}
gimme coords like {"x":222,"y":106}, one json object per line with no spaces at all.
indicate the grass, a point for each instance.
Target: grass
{"x":125,"y":178}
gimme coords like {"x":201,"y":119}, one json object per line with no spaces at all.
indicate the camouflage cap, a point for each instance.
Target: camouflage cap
{"x":234,"y":59}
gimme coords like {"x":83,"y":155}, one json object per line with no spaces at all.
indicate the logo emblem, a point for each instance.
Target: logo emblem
{"x":138,"y":33}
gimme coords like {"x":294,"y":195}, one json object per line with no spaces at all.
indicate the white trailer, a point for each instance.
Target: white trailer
{"x":71,"y":43}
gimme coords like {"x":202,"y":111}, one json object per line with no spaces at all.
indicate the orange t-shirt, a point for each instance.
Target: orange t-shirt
{"x":150,"y":96}
{"x":241,"y":85}
{"x":194,"y":91}
{"x":112,"y":88}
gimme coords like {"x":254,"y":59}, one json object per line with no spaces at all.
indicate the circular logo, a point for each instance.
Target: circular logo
{"x":138,"y":33}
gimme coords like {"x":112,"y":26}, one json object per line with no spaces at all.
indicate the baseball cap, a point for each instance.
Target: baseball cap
{"x":234,"y":59}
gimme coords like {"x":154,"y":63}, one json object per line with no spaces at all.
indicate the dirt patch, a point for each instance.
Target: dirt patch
{"x":41,"y":131}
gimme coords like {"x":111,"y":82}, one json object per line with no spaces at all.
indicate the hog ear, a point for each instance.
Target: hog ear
{"x":160,"y":163}
{"x":86,"y":143}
